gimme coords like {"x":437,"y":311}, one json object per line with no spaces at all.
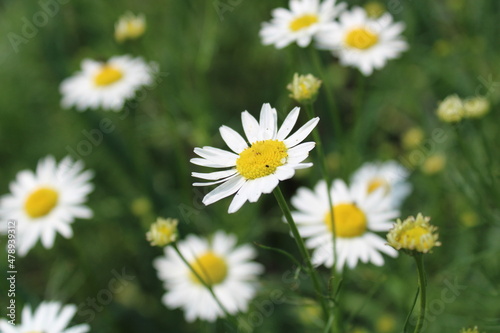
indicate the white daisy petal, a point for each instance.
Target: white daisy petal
{"x":301,"y":133}
{"x":288,"y":124}
{"x":224,"y":190}
{"x":250,"y":126}
{"x":233,"y":140}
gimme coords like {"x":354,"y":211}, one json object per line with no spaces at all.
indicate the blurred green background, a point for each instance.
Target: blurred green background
{"x":213,"y":67}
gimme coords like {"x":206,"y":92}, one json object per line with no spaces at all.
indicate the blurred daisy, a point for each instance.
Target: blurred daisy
{"x":476,"y":107}
{"x":304,"y":88}
{"x":163,"y":232}
{"x":130,"y":26}
{"x":363,"y":42}
{"x":106,"y":85}
{"x":413,"y":235}
{"x":227,"y":268}
{"x":49,"y":317}
{"x":299,"y":24}
{"x":46,"y":202}
{"x":271,"y":157}
{"x":451,"y":109}
{"x":388,"y":177}
{"x":357,"y":215}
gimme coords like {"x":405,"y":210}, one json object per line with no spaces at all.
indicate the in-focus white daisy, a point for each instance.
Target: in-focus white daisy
{"x":106,"y":85}
{"x":300,"y":23}
{"x":272,"y":156}
{"x":357,"y":216}
{"x":227,"y":268}
{"x":388,"y":177}
{"x":49,"y":317}
{"x":46,"y":202}
{"x":363,"y":42}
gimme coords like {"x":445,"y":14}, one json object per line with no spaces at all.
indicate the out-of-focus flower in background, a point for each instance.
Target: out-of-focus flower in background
{"x":300,"y":23}
{"x":363,"y":42}
{"x":50,"y":317}
{"x":304,"y":88}
{"x":163,"y":232}
{"x":227,"y":268}
{"x":130,"y":26}
{"x":413,"y":234}
{"x":46,"y":202}
{"x":107,"y":85}
{"x":451,"y":109}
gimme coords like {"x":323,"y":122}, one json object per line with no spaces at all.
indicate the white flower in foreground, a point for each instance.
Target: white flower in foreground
{"x":389,"y":177}
{"x":49,"y":317}
{"x":46,"y":202}
{"x":299,"y":24}
{"x":271,"y":157}
{"x":363,"y":42}
{"x":227,"y":268}
{"x":357,"y":215}
{"x":107,"y":85}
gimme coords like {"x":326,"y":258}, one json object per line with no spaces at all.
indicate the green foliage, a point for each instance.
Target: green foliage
{"x":213,"y":67}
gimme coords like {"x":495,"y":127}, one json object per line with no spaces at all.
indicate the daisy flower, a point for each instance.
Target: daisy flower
{"x":389,"y":177}
{"x":363,"y":42}
{"x":50,"y":317}
{"x":357,"y":215}
{"x":299,"y":24}
{"x":106,"y":85}
{"x":225,"y":267}
{"x":251,"y":170}
{"x":414,"y":235}
{"x":46,"y":202}
{"x":130,"y":26}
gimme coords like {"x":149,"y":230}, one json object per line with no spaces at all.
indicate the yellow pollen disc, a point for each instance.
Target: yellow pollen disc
{"x":361,"y":38}
{"x":303,"y":22}
{"x":377,"y":183}
{"x":261,"y":159}
{"x":41,"y":202}
{"x":349,"y":221}
{"x":107,"y":75}
{"x":414,"y":236}
{"x":210,"y":267}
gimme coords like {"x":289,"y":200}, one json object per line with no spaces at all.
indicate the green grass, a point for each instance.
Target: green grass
{"x":211,"y":71}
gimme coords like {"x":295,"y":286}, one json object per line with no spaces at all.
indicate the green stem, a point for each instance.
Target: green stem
{"x":302,"y":248}
{"x":205,"y":284}
{"x":421,"y":285}
{"x":337,"y":124}
{"x":322,"y":163}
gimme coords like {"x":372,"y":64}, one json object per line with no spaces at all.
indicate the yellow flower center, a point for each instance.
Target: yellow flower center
{"x":361,"y":38}
{"x":349,"y":220}
{"x":41,"y":202}
{"x":377,"y":183}
{"x":414,"y":236}
{"x":107,"y":75}
{"x":210,"y":267}
{"x":261,"y":159}
{"x":303,"y":21}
